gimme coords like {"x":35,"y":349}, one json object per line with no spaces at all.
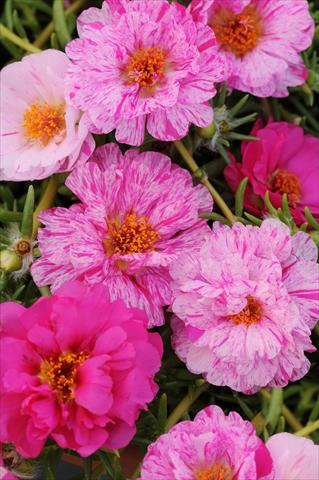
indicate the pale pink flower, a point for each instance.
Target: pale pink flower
{"x":40,"y":132}
{"x":138,"y":212}
{"x":77,"y":368}
{"x":245,"y":302}
{"x":212,"y":446}
{"x":294,"y":458}
{"x":260,"y":41}
{"x":143,"y":64}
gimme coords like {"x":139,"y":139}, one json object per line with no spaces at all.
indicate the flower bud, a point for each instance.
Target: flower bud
{"x":9,"y":261}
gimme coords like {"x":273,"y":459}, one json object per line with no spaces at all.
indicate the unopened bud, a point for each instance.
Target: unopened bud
{"x":208,"y":132}
{"x":9,"y":261}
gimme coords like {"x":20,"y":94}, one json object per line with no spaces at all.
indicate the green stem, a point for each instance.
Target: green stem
{"x":195,"y":168}
{"x":46,"y":33}
{"x":184,"y":405}
{"x":289,"y":416}
{"x":13,"y":38}
{"x":45,"y":202}
{"x":45,"y":291}
{"x":312,"y":427}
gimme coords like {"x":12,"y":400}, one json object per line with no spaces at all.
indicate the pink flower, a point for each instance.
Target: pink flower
{"x":138,"y":212}
{"x":260,"y":41}
{"x":294,"y":458}
{"x":143,"y":64}
{"x":284,"y":160}
{"x":41,"y":133}
{"x":77,"y":368}
{"x":245,"y":302}
{"x":212,"y":446}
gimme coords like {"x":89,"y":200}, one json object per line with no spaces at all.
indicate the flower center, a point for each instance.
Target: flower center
{"x":22,"y":247}
{"x":134,"y":235}
{"x":60,"y":373}
{"x":238,"y":33}
{"x":250,"y":314}
{"x":42,"y":122}
{"x":286,"y":182}
{"x":146,"y":66}
{"x":217,"y":472}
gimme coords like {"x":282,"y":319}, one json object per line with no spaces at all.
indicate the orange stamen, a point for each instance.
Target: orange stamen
{"x":146,"y":66}
{"x":238,"y":33}
{"x":133,"y":235}
{"x":216,"y":472}
{"x":42,"y":122}
{"x":60,"y":373}
{"x":285,"y":182}
{"x":250,"y":314}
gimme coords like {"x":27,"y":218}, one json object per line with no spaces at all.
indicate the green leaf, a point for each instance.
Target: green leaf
{"x":275,"y":408}
{"x":50,"y":462}
{"x":270,"y":206}
{"x":162,"y":411}
{"x":87,"y":468}
{"x":27,"y":217}
{"x":253,"y":219}
{"x":239,"y":197}
{"x":106,"y":463}
{"x":59,"y":22}
{"x":247,"y":411}
{"x":311,"y":219}
{"x":8,"y":14}
{"x":38,"y":5}
{"x":18,"y":25}
{"x":7,"y":216}
{"x":238,"y":106}
{"x":239,"y":136}
{"x":223,"y":153}
{"x":214,"y":216}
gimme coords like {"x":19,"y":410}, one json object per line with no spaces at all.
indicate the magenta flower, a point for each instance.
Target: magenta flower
{"x":245,"y":302}
{"x":212,"y":446}
{"x":77,"y":368}
{"x":138,"y":213}
{"x":284,"y":160}
{"x":294,"y":458}
{"x":143,"y":64}
{"x":260,"y":41}
{"x":40,"y":132}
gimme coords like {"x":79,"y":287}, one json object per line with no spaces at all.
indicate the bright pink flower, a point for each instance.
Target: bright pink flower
{"x":294,"y":458}
{"x":260,"y":41}
{"x":284,"y":160}
{"x":245,"y":302}
{"x":138,"y":212}
{"x":143,"y":64}
{"x":212,"y":446}
{"x":77,"y":368}
{"x":41,"y":133}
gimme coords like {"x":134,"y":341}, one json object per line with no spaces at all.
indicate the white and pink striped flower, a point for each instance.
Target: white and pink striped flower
{"x":143,"y":64}
{"x":138,"y":213}
{"x":245,"y":303}
{"x":260,"y":41}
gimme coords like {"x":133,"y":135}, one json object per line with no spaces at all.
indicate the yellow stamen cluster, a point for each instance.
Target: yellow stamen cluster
{"x":42,"y":122}
{"x":133,"y":235}
{"x":250,"y":314}
{"x":60,"y":373}
{"x":216,"y":472}
{"x":146,"y":66}
{"x":238,"y":33}
{"x":286,"y":182}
